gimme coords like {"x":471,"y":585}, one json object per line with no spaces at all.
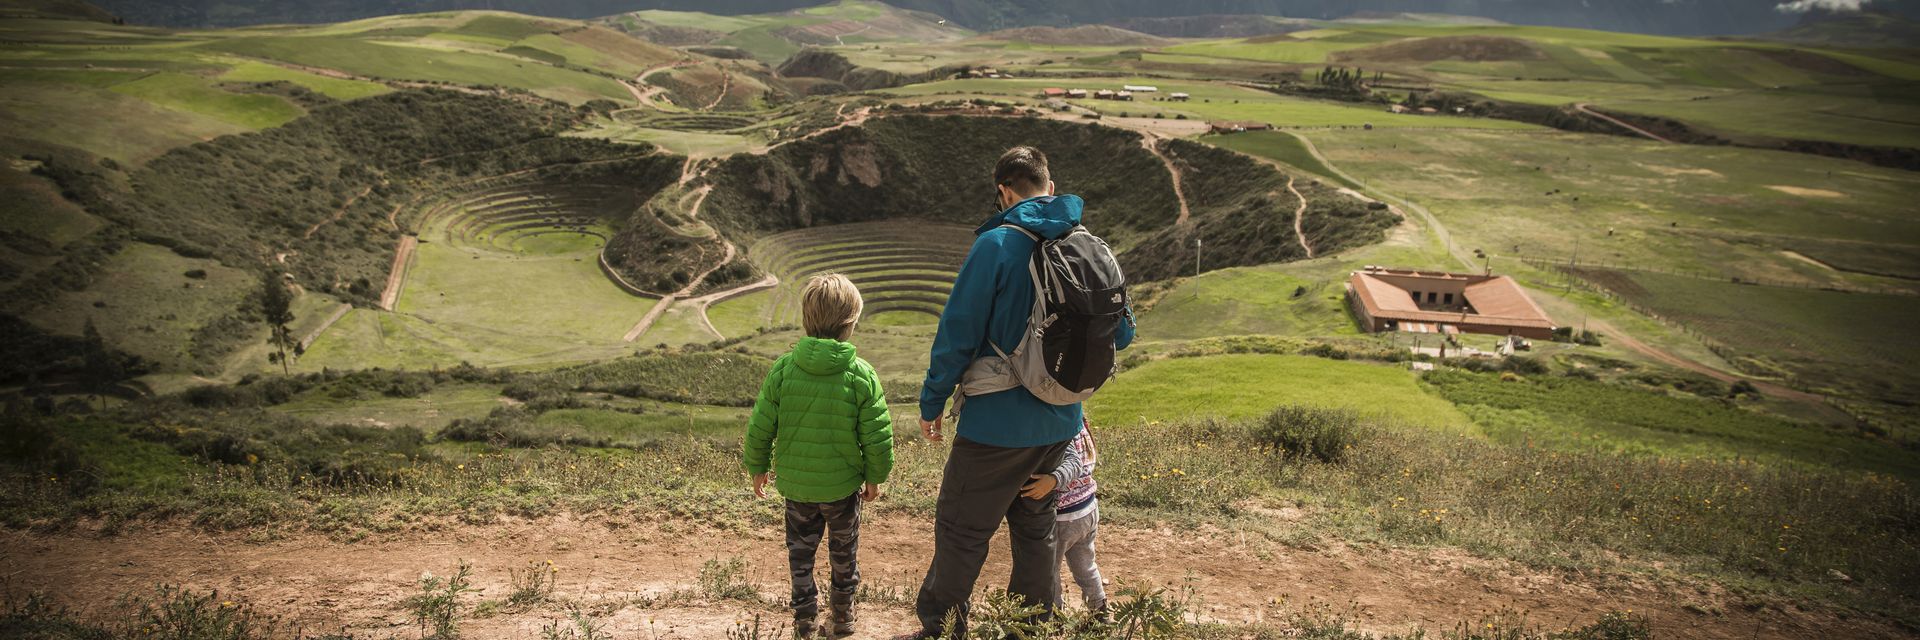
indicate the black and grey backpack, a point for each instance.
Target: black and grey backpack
{"x":1067,"y":351}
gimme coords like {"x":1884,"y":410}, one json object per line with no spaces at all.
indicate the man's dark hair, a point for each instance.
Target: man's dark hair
{"x":1023,"y":169}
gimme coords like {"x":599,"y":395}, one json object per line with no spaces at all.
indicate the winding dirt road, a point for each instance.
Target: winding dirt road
{"x":1298,"y":215}
{"x":1152,"y":142}
{"x":1583,"y":108}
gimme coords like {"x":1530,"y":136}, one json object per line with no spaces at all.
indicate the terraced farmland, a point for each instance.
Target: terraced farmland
{"x":507,"y":272}
{"x":904,"y":268}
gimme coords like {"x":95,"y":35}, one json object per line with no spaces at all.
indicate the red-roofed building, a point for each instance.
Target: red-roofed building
{"x":1434,"y":302}
{"x":1053,"y":92}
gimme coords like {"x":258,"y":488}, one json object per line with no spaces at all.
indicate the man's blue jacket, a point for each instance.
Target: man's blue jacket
{"x":991,"y":300}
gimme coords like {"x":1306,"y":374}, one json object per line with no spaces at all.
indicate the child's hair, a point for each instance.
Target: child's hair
{"x":830,"y":306}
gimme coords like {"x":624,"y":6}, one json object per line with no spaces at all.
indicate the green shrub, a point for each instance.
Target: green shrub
{"x":1327,"y":435}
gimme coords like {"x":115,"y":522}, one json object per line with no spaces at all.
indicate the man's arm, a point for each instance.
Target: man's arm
{"x":963,"y":323}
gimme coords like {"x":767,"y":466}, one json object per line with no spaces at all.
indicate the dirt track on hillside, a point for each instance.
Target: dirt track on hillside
{"x":605,"y":564}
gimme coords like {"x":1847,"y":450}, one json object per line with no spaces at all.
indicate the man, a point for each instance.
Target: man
{"x":1006,"y":439}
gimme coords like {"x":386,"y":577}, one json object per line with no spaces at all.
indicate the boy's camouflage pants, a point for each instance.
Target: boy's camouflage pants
{"x":806,"y":521}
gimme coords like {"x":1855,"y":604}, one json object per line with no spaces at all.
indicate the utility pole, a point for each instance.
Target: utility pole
{"x":1572,"y":263}
{"x":1196,"y":257}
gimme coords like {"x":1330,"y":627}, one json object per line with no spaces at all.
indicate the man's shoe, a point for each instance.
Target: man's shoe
{"x":805,"y":628}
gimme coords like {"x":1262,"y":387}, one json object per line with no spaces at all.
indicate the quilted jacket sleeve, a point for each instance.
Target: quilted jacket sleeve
{"x":875,"y":426}
{"x":764,"y":424}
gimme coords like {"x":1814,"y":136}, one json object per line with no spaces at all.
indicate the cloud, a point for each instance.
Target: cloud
{"x":1836,"y":6}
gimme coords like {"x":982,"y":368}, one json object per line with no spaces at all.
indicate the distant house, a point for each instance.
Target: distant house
{"x":1103,"y":94}
{"x":989,"y":71}
{"x":1428,"y":110}
{"x":1236,"y":126}
{"x":1077,"y":93}
{"x":1140,"y":88}
{"x":1053,"y":92}
{"x":1405,"y":300}
{"x":1124,"y":95}
{"x":971,"y":73}
{"x":1397,"y":108}
{"x":1179,"y":97}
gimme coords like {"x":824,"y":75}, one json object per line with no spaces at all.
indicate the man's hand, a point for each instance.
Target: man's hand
{"x":870,"y":492}
{"x":760,"y":484}
{"x":930,"y":429}
{"x":1039,"y":486}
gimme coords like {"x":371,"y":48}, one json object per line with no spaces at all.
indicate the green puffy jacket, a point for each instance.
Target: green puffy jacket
{"x":821,"y":424}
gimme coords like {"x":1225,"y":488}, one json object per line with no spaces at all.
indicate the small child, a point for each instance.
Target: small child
{"x":1078,"y":515}
{"x":821,"y":425}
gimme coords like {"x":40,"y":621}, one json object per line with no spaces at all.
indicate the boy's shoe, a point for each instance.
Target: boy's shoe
{"x":805,"y":628}
{"x":842,"y":614}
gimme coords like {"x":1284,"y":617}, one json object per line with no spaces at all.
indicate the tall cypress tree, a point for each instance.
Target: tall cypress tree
{"x":276,"y":304}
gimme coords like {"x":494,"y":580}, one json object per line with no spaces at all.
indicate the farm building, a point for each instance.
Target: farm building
{"x":1235,"y":126}
{"x":1124,"y":95}
{"x":1397,"y":108}
{"x":1428,"y":110}
{"x":1079,"y":94}
{"x":1140,"y":88}
{"x":1103,"y":94}
{"x":1178,"y":96}
{"x":1053,"y":92}
{"x":1386,"y":299}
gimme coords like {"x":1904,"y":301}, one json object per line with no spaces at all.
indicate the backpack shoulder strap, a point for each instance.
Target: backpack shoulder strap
{"x":1023,"y":231}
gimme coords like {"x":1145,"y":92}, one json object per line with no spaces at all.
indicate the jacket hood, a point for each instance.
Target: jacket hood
{"x":1047,"y":216}
{"x":823,"y":356}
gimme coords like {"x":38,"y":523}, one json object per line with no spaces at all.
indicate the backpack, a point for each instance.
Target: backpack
{"x":1067,"y":352}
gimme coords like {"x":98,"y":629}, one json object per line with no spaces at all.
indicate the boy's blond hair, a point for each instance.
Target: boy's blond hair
{"x":829,"y":306}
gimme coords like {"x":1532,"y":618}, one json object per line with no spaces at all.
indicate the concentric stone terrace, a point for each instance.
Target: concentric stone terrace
{"x":904,"y":268}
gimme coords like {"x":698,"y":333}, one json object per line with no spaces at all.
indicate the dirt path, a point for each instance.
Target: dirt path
{"x":1433,"y":223}
{"x":703,"y":302}
{"x":1769,"y":388}
{"x":338,"y":213}
{"x":1582,"y":108}
{"x":397,"y":274}
{"x":1298,"y":215}
{"x":1151,"y":142}
{"x":646,"y":321}
{"x":619,"y":571}
{"x":726,"y":84}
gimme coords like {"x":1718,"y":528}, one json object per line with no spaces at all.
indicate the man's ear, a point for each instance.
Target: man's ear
{"x":1007,"y":196}
{"x":1049,"y":187}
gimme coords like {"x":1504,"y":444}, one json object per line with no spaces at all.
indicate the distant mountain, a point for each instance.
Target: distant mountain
{"x":1213,"y":26}
{"x":56,"y":9}
{"x":1691,"y":17}
{"x":1088,"y":35}
{"x":1854,"y":29}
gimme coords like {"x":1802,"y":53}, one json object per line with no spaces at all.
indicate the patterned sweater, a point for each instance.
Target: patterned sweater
{"x":1075,"y":476}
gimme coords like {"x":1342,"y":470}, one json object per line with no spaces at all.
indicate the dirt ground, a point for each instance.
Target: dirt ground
{"x":321,"y":585}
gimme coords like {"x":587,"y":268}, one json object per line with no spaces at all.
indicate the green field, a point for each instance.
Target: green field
{"x":380,"y":59}
{"x":487,"y":307}
{"x":336,"y":88}
{"x":147,"y":306}
{"x":1852,"y":344}
{"x":1283,"y":147}
{"x":1244,"y":386}
{"x":1710,"y":210}
{"x":193,"y":94}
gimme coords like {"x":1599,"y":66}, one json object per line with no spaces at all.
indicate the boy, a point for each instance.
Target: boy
{"x":1079,"y":516}
{"x":821,"y":425}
